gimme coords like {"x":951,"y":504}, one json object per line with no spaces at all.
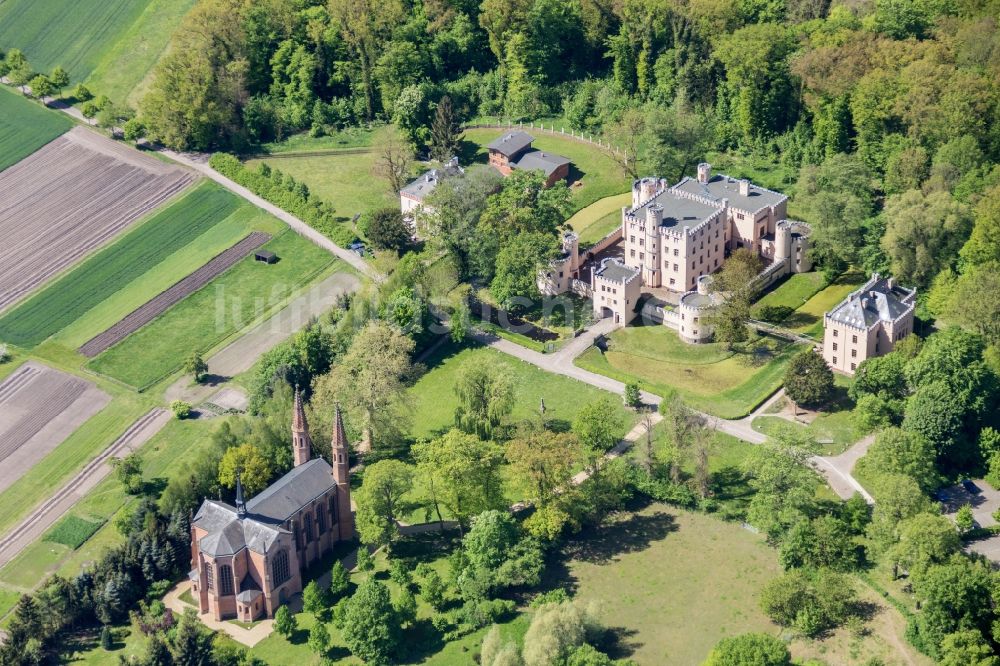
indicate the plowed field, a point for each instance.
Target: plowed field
{"x":69,"y":198}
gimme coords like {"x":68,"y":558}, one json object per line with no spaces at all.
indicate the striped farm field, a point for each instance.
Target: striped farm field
{"x":25,"y":126}
{"x":116,"y":266}
{"x":230,"y":303}
{"x":74,"y":34}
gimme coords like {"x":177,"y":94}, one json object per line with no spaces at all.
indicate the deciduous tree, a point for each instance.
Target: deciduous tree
{"x":382,"y":501}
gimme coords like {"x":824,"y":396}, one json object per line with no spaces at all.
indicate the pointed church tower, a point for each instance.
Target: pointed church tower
{"x":340,"y":462}
{"x":301,"y":441}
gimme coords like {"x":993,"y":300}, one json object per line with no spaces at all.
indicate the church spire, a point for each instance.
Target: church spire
{"x":241,"y":505}
{"x":301,"y":441}
{"x":341,"y":470}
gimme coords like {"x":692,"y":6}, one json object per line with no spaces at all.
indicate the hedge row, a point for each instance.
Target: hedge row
{"x":286,"y":193}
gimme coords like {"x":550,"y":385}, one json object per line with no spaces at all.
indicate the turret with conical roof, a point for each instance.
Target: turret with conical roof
{"x":301,"y":441}
{"x":341,"y":470}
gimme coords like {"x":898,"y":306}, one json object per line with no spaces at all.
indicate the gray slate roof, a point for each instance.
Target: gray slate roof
{"x":425,"y":184}
{"x":511,"y":143}
{"x":228,"y":534}
{"x":538,"y":159}
{"x":721,"y":186}
{"x":291,"y":492}
{"x":678,"y":211}
{"x":874,"y":302}
{"x":616,"y":272}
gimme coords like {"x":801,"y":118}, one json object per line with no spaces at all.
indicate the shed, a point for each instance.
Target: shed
{"x":266,"y":256}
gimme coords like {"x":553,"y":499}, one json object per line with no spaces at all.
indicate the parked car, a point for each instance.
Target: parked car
{"x":970,"y":487}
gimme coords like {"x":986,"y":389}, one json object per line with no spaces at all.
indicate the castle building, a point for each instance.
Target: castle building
{"x":675,"y":234}
{"x":868,"y":323}
{"x":248,"y":559}
{"x":513,"y":151}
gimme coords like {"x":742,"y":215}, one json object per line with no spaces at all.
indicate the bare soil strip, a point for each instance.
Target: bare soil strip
{"x":186,"y":286}
{"x":49,"y":511}
{"x":39,"y":408}
{"x":69,"y":198}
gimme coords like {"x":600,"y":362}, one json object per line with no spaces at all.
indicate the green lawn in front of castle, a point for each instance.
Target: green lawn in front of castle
{"x":709,"y":377}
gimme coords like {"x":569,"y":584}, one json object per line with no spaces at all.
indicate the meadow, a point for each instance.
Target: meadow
{"x":808,"y":317}
{"x":116,"y":266}
{"x":123,"y":71}
{"x":793,"y":292}
{"x":433,"y":399}
{"x":73,"y":531}
{"x":74,"y":35}
{"x":24,"y":125}
{"x":708,"y":377}
{"x":206,"y":318}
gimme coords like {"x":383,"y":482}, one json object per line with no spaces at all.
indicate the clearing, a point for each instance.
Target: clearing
{"x":113,"y":269}
{"x":248,"y":291}
{"x":25,"y":126}
{"x":728,"y":384}
{"x":671,"y":582}
{"x":433,"y":397}
{"x":92,"y":35}
{"x":593,"y":175}
{"x":39,"y":408}
{"x":69,"y":198}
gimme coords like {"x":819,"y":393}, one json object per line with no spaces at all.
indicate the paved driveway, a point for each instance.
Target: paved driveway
{"x":983,"y":503}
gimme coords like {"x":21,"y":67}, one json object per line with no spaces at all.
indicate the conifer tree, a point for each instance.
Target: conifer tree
{"x":446,"y":132}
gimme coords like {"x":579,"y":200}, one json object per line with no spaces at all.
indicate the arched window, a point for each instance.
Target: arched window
{"x":225,"y":580}
{"x":321,"y":519}
{"x":334,"y":516}
{"x":279,"y":568}
{"x":209,"y":577}
{"x":307,"y":525}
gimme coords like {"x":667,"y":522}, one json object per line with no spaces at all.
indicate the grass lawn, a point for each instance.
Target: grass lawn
{"x":349,"y":137}
{"x":76,"y":35}
{"x":434,"y":402}
{"x":793,"y":292}
{"x":708,"y":377}
{"x":234,"y":300}
{"x":808,"y":318}
{"x":125,"y":69}
{"x":599,"y":175}
{"x":671,"y":582}
{"x":599,"y":218}
{"x":832,"y":432}
{"x":343,"y":179}
{"x":115,"y":267}
{"x":26,"y":125}
{"x":72,"y":531}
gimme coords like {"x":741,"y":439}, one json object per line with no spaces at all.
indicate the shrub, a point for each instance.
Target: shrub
{"x":774,"y":314}
{"x":752,"y":648}
{"x":181,"y":409}
{"x":809,"y":601}
{"x":4,"y":352}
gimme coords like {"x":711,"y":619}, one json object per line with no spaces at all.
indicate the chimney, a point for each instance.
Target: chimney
{"x":453,"y":162}
{"x":744,"y":187}
{"x":704,"y":172}
{"x":301,"y":440}
{"x":891,"y":283}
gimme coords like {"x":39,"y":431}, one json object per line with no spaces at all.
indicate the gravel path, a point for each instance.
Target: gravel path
{"x":187,"y":285}
{"x":68,"y":199}
{"x":39,"y":408}
{"x":61,"y":501}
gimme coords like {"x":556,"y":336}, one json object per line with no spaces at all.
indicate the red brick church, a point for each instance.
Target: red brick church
{"x":248,"y":559}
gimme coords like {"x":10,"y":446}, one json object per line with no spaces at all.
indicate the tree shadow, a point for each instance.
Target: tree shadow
{"x":604,"y":543}
{"x":420,"y":641}
{"x":799,"y":319}
{"x":298,"y":637}
{"x":619,"y":642}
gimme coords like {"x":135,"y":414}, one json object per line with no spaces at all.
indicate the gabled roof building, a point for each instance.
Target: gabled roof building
{"x":248,"y":559}
{"x":513,"y":150}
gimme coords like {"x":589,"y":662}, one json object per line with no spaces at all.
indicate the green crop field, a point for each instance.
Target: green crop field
{"x":114,"y":267}
{"x":74,"y":35}
{"x":73,"y":531}
{"x":25,"y":126}
{"x":708,"y":376}
{"x":207,"y":317}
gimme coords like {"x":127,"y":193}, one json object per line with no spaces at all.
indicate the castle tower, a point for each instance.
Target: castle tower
{"x":301,"y":441}
{"x":340,"y":462}
{"x":704,"y":173}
